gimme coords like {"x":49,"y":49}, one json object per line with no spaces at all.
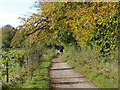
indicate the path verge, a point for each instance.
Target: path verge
{"x":63,"y":76}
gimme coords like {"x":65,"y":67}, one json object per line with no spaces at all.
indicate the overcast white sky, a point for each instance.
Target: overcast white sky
{"x":10,"y":10}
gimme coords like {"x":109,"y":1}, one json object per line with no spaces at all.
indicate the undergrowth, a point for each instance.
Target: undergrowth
{"x":102,"y":71}
{"x":21,"y":77}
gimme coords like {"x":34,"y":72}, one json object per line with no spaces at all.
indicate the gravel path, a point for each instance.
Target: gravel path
{"x":63,"y":76}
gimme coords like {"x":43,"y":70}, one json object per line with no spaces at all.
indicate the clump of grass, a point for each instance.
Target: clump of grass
{"x":102,"y":71}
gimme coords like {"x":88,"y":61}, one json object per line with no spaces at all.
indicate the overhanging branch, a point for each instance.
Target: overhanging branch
{"x":42,"y":27}
{"x":37,"y":29}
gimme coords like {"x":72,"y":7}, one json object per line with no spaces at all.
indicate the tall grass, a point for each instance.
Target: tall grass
{"x":102,"y":71}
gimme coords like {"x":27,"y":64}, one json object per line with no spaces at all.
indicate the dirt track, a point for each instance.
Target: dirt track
{"x":63,"y":76}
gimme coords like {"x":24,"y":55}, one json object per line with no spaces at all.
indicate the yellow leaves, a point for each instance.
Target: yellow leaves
{"x":37,"y":18}
{"x":20,"y":31}
{"x":28,"y":23}
{"x":67,"y":22}
{"x":39,"y":25}
{"x":95,"y":17}
{"x":96,"y":27}
{"x":78,"y":15}
{"x":51,"y":27}
{"x":55,"y":36}
{"x":56,"y":32}
{"x":80,"y":43}
{"x":81,"y":21}
{"x":112,"y":33}
{"x":116,"y":31}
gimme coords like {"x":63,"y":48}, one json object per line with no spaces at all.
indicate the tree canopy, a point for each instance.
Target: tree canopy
{"x":85,"y":24}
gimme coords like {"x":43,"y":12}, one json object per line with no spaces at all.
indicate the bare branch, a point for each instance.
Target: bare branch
{"x":40,"y":21}
{"x":37,"y":29}
{"x":42,"y":27}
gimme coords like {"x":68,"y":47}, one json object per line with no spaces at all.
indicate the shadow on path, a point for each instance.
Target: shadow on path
{"x":67,"y":77}
{"x":67,"y":82}
{"x":63,"y":76}
{"x":62,"y":69}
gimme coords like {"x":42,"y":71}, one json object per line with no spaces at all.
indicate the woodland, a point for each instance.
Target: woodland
{"x":88,"y":33}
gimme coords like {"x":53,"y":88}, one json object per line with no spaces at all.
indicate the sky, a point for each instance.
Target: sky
{"x":11,"y":10}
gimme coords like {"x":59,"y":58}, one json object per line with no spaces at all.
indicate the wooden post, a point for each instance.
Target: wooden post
{"x":7,"y":78}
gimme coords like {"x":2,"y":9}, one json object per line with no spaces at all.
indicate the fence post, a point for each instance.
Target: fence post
{"x":7,"y":78}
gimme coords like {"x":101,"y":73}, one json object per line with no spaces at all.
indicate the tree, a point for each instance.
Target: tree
{"x":89,"y":25}
{"x":8,"y":33}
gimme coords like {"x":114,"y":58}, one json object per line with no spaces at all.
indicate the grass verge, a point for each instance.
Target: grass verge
{"x":102,"y":71}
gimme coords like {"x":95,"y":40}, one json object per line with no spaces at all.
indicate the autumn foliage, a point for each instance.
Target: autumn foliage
{"x":86,"y":25}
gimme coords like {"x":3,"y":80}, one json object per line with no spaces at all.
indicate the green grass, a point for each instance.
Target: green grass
{"x":102,"y":71}
{"x":39,"y":80}
{"x":45,"y":64}
{"x":21,"y":75}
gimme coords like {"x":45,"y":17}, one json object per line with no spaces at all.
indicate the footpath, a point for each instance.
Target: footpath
{"x":63,"y":76}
